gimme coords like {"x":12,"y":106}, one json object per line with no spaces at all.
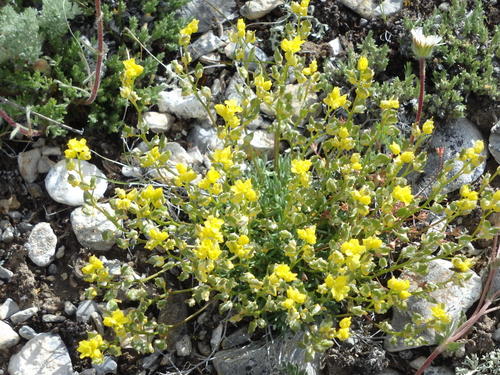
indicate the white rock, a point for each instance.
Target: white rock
{"x":256,"y":9}
{"x":69,"y":308}
{"x":8,"y":308}
{"x":23,"y":315}
{"x":8,"y":337}
{"x":457,"y":300}
{"x":85,"y":310}
{"x":28,"y":163}
{"x":108,"y":366}
{"x":90,"y":223}
{"x":51,"y":151}
{"x":27,"y":333}
{"x":41,"y":244}
{"x":205,"y":44}
{"x":370,"y":9}
{"x":262,"y":143}
{"x":158,"y":122}
{"x":183,"y":347}
{"x":44,"y":354}
{"x":335,"y":46}
{"x":59,"y":189}
{"x":209,"y":13}
{"x":204,"y":139}
{"x":5,"y":274}
{"x":494,"y":142}
{"x":181,"y":106}
{"x":44,"y":164}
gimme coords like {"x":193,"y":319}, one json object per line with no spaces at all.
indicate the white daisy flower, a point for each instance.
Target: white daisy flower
{"x":422,"y":44}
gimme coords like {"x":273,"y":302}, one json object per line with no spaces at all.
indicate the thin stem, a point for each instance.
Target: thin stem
{"x":421,"y":66}
{"x":15,"y":125}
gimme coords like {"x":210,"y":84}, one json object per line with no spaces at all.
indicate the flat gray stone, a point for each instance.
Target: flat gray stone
{"x":5,"y":274}
{"x":8,"y":337}
{"x":208,"y":12}
{"x":255,"y":9}
{"x":205,"y":139}
{"x":108,"y":366}
{"x":205,"y":44}
{"x":23,"y":315}
{"x":41,"y":245}
{"x":8,"y":308}
{"x":28,"y":164}
{"x":44,"y":354}
{"x":371,"y":9}
{"x":158,"y":122}
{"x":27,"y":333}
{"x":85,"y":310}
{"x":186,"y":107}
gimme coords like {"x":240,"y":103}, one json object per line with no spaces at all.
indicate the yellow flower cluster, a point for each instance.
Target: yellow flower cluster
{"x":311,"y":69}
{"x":153,"y":158}
{"x":428,"y":127}
{"x":117,"y":320}
{"x":95,"y":270}
{"x":353,"y":250}
{"x":403,"y":194}
{"x":334,"y":100}
{"x":337,"y":286}
{"x":300,"y":9}
{"x":405,"y":157}
{"x":156,"y":238}
{"x":131,"y":72}
{"x":223,"y":156}
{"x":185,"y":175}
{"x":228,"y":112}
{"x":301,"y":169}
{"x":389,"y":104}
{"x":263,"y":88}
{"x":492,"y":203}
{"x":210,"y":183}
{"x":439,"y":313}
{"x":343,"y":139}
{"x":291,"y":47}
{"x":282,"y":271}
{"x":243,"y":190}
{"x":473,"y":154}
{"x":399,"y":286}
{"x":210,"y":236}
{"x":241,"y":33}
{"x":77,"y":149}
{"x":294,"y":296}
{"x":343,"y":332}
{"x":240,"y":246}
{"x":186,"y":32}
{"x":308,"y":234}
{"x":395,"y":148}
{"x":92,"y":348}
{"x":462,"y":265}
{"x":124,"y":200}
{"x":469,"y":199}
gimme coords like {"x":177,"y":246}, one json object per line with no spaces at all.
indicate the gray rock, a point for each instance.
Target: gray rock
{"x":60,"y":190}
{"x":60,"y":252}
{"x":41,"y":245}
{"x":44,"y":354}
{"x":8,"y":230}
{"x":496,"y":335}
{"x":108,"y":366}
{"x":205,"y":44}
{"x":186,"y":107}
{"x":370,"y":9}
{"x":259,"y":56}
{"x":8,"y":308}
{"x":28,"y":164}
{"x":84,"y":310}
{"x":69,"y":308}
{"x":8,"y":337}
{"x":454,"y":137}
{"x":24,"y":227}
{"x":51,"y":318}
{"x":262,"y":143}
{"x":53,"y":270}
{"x":216,"y":338}
{"x":5,"y":274}
{"x":205,"y":139}
{"x":97,"y":320}
{"x":158,"y":122}
{"x":236,"y":338}
{"x":335,"y":47}
{"x":237,"y":90}
{"x":456,"y":298}
{"x":389,"y":371}
{"x":255,"y":9}
{"x":44,"y":164}
{"x":23,"y":315}
{"x":494,"y":142}
{"x":89,"y":224}
{"x":51,"y":151}
{"x":184,"y":347}
{"x":208,"y":12}
{"x":27,"y":333}
{"x":265,"y":358}
{"x":152,"y":361}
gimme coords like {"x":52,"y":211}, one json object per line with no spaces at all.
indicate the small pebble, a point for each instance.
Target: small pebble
{"x":97,"y":320}
{"x":109,"y":366}
{"x":8,"y":308}
{"x":216,"y":337}
{"x":60,"y":252}
{"x":26,"y":332}
{"x":51,"y":318}
{"x":84,"y":310}
{"x":69,"y":308}
{"x":5,"y":274}
{"x":496,"y":335}
{"x":184,"y":346}
{"x":52,"y":269}
{"x":24,"y":227}
{"x":23,"y":315}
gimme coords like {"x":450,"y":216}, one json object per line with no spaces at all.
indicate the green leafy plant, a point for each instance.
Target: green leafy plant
{"x":488,"y":364}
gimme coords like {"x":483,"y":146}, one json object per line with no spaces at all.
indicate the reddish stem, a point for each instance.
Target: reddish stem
{"x":100,"y":54}
{"x":22,"y":130}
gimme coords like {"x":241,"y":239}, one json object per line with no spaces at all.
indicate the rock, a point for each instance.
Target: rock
{"x":152,"y":361}
{"x":175,"y":311}
{"x":238,"y":90}
{"x":8,"y":308}
{"x":205,"y":139}
{"x":177,"y":155}
{"x":262,"y":143}
{"x":51,"y":151}
{"x":7,"y":230}
{"x":52,"y":269}
{"x":84,"y":310}
{"x":24,"y":227}
{"x":5,"y":274}
{"x":297,"y":102}
{"x":69,"y":308}
{"x":370,"y":9}
{"x":455,"y":137}
{"x":265,"y":358}
{"x":158,"y":122}
{"x":59,"y":189}
{"x":27,"y":163}
{"x":41,"y":245}
{"x":89,"y":224}
{"x":236,"y":338}
{"x":205,"y":44}
{"x":256,"y":9}
{"x":456,"y":298}
{"x":108,"y":366}
{"x":44,"y":165}
{"x":97,"y":320}
{"x":208,"y":13}
{"x":389,"y":371}
{"x":258,"y":54}
{"x":27,"y":333}
{"x":335,"y":47}
{"x":496,"y":335}
{"x":184,"y":347}
{"x":8,"y":337}
{"x":216,"y":336}
{"x":431,"y":370}
{"x":51,"y":318}
{"x":44,"y":354}
{"x":494,"y":142}
{"x":186,"y":107}
{"x":23,"y":315}
{"x":60,"y":252}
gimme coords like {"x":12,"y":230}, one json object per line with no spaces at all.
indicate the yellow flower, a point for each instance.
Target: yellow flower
{"x":185,"y":175}
{"x":462,"y":265}
{"x":292,"y":46}
{"x":361,"y":196}
{"x":223,"y":156}
{"x":389,"y":104}
{"x":334,"y":100}
{"x":362,"y":63}
{"x":211,"y":229}
{"x":132,"y":70}
{"x":94,"y":265}
{"x":283,"y":272}
{"x":311,"y":69}
{"x":243,"y":190}
{"x":428,"y":127}
{"x":300,"y":9}
{"x":338,"y":286}
{"x":241,"y":27}
{"x":77,"y":149}
{"x":400,"y":286}
{"x":352,"y":247}
{"x":295,"y":295}
{"x":344,"y":332}
{"x":395,"y":149}
{"x":228,"y":112}
{"x":466,"y":193}
{"x":211,"y":178}
{"x":440,"y":314}
{"x":156,"y":237}
{"x":208,"y":249}
{"x":261,"y":83}
{"x":407,"y":157}
{"x":191,"y":28}
{"x":91,"y":348}
{"x":117,"y":319}
{"x":403,"y":194}
{"x":372,"y":242}
{"x":308,"y":234}
{"x":300,"y":166}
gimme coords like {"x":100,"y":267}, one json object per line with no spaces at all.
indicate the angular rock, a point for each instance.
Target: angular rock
{"x":208,"y":12}
{"x":27,"y":163}
{"x":454,"y":137}
{"x":60,"y":190}
{"x":205,"y":44}
{"x":41,"y":245}
{"x":256,"y":53}
{"x":85,"y":310}
{"x":23,"y":315}
{"x":158,"y":122}
{"x":457,"y":300}
{"x":27,"y":333}
{"x":181,"y":106}
{"x":5,"y":274}
{"x":216,"y":336}
{"x":44,"y":164}
{"x":8,"y":337}
{"x":108,"y":366}
{"x":44,"y":354}
{"x":370,"y":9}
{"x":236,"y":338}
{"x":8,"y":308}
{"x":51,"y":318}
{"x":335,"y":47}
{"x":494,"y":142}
{"x":51,"y":151}
{"x":261,"y":143}
{"x":69,"y":308}
{"x":184,"y":347}
{"x":89,"y":224}
{"x":255,"y":9}
{"x":205,"y":139}
{"x":265,"y":358}
{"x":237,"y":90}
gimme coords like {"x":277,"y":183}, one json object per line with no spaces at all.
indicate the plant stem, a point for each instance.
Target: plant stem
{"x":421,"y":66}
